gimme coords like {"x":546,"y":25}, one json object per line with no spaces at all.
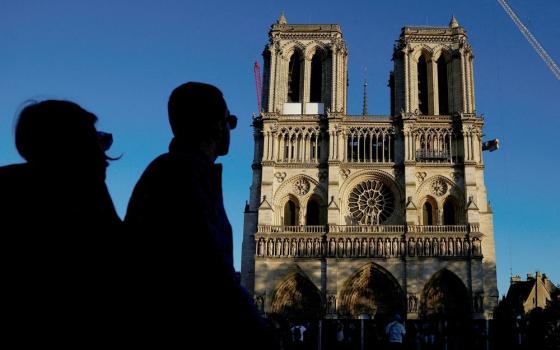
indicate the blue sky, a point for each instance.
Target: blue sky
{"x":121,"y":59}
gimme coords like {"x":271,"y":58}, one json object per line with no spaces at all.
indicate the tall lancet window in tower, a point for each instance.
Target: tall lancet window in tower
{"x":422,"y":85}
{"x":316,"y":78}
{"x":294,"y":83}
{"x":442,"y":86}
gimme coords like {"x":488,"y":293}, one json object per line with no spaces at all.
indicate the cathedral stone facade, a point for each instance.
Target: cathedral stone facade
{"x":369,"y":215}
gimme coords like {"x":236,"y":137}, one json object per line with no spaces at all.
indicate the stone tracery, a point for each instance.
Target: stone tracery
{"x":371,"y":202}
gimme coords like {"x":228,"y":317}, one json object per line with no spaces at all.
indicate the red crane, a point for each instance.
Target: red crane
{"x":258,"y":82}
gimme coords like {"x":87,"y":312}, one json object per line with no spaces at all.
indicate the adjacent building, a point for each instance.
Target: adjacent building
{"x":536,"y":291}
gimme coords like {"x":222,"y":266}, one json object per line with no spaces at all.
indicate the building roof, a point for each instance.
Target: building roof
{"x":282,"y":25}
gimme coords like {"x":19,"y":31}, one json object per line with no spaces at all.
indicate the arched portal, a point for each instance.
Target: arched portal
{"x":297,"y":298}
{"x":445,"y":297}
{"x":372,"y":291}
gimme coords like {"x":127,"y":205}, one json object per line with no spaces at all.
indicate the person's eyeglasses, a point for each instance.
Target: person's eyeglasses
{"x":232,"y":121}
{"x":105,"y":140}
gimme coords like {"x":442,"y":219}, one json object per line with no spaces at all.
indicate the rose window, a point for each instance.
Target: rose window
{"x":371,"y":202}
{"x":302,"y":186}
{"x":439,"y":187}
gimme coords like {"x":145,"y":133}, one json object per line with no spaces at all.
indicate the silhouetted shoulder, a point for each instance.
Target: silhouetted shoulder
{"x":16,"y":191}
{"x":13,"y":173}
{"x":167,"y":193}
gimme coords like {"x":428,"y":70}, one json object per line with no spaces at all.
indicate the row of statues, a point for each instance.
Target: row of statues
{"x":369,"y":247}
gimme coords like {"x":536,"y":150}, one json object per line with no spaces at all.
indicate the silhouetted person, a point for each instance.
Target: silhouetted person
{"x":61,"y":186}
{"x":55,"y":211}
{"x":186,"y":241}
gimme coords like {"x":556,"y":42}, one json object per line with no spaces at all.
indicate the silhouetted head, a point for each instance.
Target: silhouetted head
{"x":60,"y":135}
{"x":398,"y":318}
{"x":198,"y":114}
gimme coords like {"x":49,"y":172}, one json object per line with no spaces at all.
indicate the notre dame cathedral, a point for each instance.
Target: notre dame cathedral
{"x":354,"y":216}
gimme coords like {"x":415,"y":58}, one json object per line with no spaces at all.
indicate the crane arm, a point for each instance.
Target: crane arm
{"x":531,"y":38}
{"x":258,"y":83}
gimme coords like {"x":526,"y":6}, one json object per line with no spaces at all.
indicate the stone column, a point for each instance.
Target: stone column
{"x":306,"y":83}
{"x":433,"y":102}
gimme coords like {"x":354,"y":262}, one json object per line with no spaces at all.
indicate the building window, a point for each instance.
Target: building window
{"x":428,"y":214}
{"x":370,"y":145}
{"x":422,"y":85}
{"x":291,"y":212}
{"x":315,"y":148}
{"x":371,"y":202}
{"x":294,"y":68}
{"x":316,"y":78}
{"x":442,"y":86}
{"x":449,"y":213}
{"x":313,"y":216}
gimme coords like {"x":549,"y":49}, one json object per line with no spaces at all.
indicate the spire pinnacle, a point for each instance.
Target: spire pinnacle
{"x":282,"y":19}
{"x":453,"y":23}
{"x":364,"y":108}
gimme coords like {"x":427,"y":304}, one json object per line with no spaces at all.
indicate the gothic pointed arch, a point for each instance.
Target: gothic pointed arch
{"x":443,"y":84}
{"x":423,"y":50}
{"x":297,"y":298}
{"x":445,"y":297}
{"x":295,"y":75}
{"x":317,"y":77}
{"x":314,"y":211}
{"x":423,"y":85}
{"x":291,"y":212}
{"x":441,"y":51}
{"x":429,"y":211}
{"x":289,"y":48}
{"x":371,"y":290}
{"x":300,"y":189}
{"x":443,"y":189}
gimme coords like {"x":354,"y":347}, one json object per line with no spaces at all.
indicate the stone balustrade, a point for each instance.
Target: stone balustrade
{"x":366,"y":228}
{"x":291,"y":229}
{"x":438,"y":229}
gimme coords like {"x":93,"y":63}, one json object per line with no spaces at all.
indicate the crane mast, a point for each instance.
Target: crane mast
{"x":258,"y":83}
{"x":531,"y":38}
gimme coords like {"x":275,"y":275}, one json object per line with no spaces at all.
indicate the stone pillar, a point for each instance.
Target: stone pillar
{"x":306,"y":83}
{"x":433,"y":93}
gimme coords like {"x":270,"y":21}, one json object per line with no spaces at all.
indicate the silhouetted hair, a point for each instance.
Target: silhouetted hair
{"x":49,"y":129}
{"x":195,"y":104}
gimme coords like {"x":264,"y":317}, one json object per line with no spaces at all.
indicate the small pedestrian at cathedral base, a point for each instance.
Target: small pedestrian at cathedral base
{"x":395,"y":332}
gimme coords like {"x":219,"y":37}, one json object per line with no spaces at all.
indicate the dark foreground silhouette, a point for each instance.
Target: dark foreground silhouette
{"x":74,"y":276}
{"x":186,"y":244}
{"x":56,"y":216}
